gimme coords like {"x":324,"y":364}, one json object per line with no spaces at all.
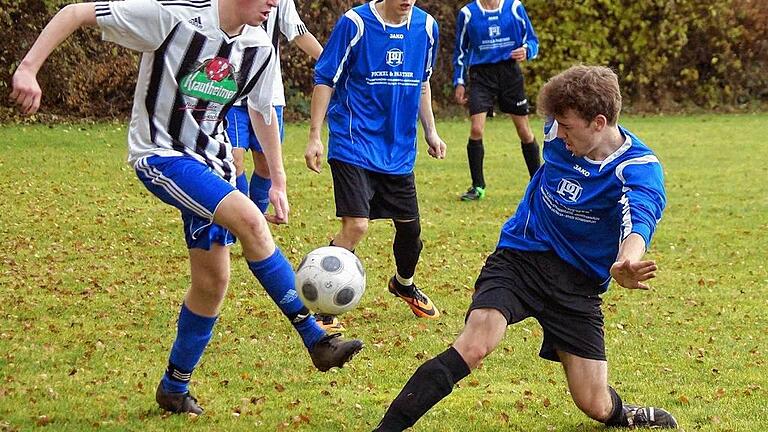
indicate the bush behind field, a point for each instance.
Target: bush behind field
{"x":669,"y":54}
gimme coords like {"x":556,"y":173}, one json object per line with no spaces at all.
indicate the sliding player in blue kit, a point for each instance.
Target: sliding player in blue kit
{"x":373,"y":81}
{"x":587,"y":217}
{"x":492,"y":38}
{"x":198,"y":58}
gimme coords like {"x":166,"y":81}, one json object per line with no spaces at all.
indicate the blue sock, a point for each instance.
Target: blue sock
{"x":193,"y":333}
{"x":276,"y":276}
{"x":259,"y":191}
{"x":242,"y":184}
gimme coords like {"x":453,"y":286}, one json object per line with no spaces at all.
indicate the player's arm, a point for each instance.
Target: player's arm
{"x":529,"y":46}
{"x":436,"y":144}
{"x":309,"y":44}
{"x":645,"y":200}
{"x":269,"y":138}
{"x":295,"y":31}
{"x":321,"y":97}
{"x":460,"y":57}
{"x":330,"y":66}
{"x":630,"y":270}
{"x":26,"y":91}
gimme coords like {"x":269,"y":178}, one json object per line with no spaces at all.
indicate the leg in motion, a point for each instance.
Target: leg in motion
{"x":588,"y":384}
{"x":434,"y":380}
{"x":210,"y":277}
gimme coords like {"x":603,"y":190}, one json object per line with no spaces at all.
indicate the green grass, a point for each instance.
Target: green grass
{"x":92,"y":270}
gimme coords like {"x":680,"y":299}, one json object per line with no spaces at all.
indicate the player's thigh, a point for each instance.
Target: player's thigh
{"x":352,"y":189}
{"x":210,"y":269}
{"x":512,"y":98}
{"x":394,"y":197}
{"x":184,"y":182}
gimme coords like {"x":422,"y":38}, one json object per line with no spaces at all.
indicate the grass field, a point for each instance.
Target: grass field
{"x":92,"y":270}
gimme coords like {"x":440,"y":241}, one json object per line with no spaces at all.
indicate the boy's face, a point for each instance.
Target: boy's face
{"x":578,"y":134}
{"x":255,"y":12}
{"x":402,"y":7}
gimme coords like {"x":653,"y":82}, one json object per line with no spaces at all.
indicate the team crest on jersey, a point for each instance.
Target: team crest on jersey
{"x":213,"y":80}
{"x":394,"y":57}
{"x":494,"y":31}
{"x":570,"y":190}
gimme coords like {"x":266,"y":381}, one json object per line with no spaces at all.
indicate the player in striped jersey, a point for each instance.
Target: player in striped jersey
{"x":283,"y":19}
{"x":373,"y":81}
{"x":587,"y":216}
{"x":492,"y":38}
{"x":198,"y":58}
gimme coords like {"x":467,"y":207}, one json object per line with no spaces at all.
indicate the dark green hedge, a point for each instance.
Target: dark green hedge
{"x":670,"y":54}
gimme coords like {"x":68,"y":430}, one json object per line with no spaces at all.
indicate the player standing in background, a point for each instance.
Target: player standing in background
{"x":373,"y":81}
{"x":587,"y":216}
{"x":241,"y":135}
{"x":492,"y":38}
{"x":198,"y":58}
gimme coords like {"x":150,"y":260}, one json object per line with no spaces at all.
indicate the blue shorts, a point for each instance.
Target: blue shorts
{"x":194,"y":189}
{"x":241,"y":133}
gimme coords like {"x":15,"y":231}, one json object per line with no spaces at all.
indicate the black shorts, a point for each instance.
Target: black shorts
{"x":359,"y":192}
{"x":564,"y":301}
{"x":502,"y":81}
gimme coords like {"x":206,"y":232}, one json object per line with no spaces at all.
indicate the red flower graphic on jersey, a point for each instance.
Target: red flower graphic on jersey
{"x":217,"y":69}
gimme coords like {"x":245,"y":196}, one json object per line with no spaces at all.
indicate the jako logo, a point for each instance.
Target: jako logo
{"x":397,"y":36}
{"x":394,"y":57}
{"x":569,"y":189}
{"x":581,"y":170}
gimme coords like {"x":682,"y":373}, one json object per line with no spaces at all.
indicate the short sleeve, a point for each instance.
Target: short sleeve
{"x":290,"y":22}
{"x":140,"y":25}
{"x":260,"y":96}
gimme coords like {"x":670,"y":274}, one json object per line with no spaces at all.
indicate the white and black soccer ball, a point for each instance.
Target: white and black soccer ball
{"x":330,"y":280}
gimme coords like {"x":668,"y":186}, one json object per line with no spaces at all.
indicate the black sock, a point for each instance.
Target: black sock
{"x":531,"y":156}
{"x":475,"y":154}
{"x":617,"y":417}
{"x":432,"y":381}
{"x":407,"y":247}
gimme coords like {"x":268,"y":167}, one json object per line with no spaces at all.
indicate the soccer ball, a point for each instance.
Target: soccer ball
{"x":330,"y":280}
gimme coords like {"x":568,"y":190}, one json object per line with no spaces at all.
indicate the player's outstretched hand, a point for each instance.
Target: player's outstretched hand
{"x":313,"y":156}
{"x":25,"y":91}
{"x":279,"y":200}
{"x":519,"y":54}
{"x":437,"y":147}
{"x":632,"y":274}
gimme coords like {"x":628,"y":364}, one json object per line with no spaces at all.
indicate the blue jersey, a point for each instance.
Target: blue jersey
{"x":489,"y":36}
{"x":584,"y":209}
{"x":376,"y":70}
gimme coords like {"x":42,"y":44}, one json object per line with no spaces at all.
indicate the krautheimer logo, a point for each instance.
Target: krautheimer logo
{"x":394,"y":57}
{"x":214,"y":81}
{"x":569,"y":190}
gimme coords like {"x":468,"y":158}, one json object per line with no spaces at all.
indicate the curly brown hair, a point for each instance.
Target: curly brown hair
{"x":587,"y":90}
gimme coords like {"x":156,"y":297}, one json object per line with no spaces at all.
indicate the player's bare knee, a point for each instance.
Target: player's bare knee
{"x":355,"y":228}
{"x":476,"y":132}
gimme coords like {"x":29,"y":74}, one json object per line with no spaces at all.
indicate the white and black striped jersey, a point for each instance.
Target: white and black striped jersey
{"x":191,"y":72}
{"x":285,"y":18}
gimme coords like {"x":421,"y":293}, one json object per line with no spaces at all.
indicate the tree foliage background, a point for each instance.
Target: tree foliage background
{"x":670,"y":54}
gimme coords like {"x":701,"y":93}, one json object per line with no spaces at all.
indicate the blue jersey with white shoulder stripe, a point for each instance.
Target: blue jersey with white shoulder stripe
{"x":488,"y":36}
{"x":583,"y":209}
{"x":377,"y":70}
